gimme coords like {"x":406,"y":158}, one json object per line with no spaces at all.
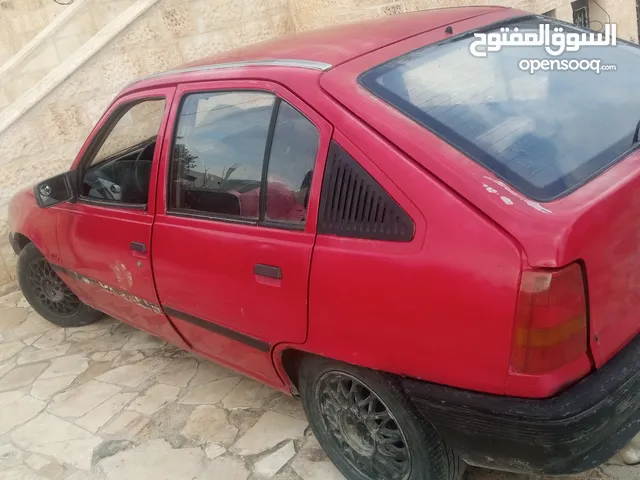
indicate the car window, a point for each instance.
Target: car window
{"x":546,"y":133}
{"x":219,"y":152}
{"x":291,"y":160}
{"x":120,"y":170}
{"x":138,"y":124}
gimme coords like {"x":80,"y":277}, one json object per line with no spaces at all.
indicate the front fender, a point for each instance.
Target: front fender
{"x":37,"y":224}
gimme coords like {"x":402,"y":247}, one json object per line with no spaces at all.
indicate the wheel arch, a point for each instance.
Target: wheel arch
{"x":20,"y":241}
{"x":287,"y":360}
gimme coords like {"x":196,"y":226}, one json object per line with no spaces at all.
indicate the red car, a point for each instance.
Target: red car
{"x":439,"y":253}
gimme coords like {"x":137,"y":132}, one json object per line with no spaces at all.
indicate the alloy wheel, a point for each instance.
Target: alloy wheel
{"x":363,"y":427}
{"x":51,"y":291}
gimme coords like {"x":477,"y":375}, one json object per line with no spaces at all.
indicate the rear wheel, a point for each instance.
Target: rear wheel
{"x":367,"y":426}
{"x":48,"y":294}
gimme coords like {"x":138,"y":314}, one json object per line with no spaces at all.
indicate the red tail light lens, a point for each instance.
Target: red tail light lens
{"x":551,"y":320}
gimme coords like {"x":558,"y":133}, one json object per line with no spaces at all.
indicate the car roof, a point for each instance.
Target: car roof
{"x":338,"y":44}
{"x":325,"y":48}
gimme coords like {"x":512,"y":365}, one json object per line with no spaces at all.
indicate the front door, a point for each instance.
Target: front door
{"x":233,"y":235}
{"x":105,"y":236}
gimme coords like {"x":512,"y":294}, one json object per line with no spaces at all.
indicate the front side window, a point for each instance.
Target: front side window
{"x":244,"y":155}
{"x":546,"y":133}
{"x":120,"y":169}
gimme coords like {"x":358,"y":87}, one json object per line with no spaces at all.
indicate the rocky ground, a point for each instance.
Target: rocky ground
{"x":109,"y":402}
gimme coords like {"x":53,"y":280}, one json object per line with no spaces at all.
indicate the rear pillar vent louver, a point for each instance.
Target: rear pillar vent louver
{"x":353,"y":204}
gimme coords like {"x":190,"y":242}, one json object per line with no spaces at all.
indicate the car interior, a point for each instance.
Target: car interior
{"x":123,"y":177}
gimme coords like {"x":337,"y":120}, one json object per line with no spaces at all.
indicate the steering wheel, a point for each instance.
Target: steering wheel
{"x":140,"y":176}
{"x":104,"y":191}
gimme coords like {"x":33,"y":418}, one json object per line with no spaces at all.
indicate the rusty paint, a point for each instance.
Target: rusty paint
{"x":120,"y":293}
{"x":123,"y":276}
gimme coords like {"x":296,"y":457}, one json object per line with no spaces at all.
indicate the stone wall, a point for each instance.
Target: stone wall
{"x":309,"y":14}
{"x":621,"y":12}
{"x":21,"y":20}
{"x":89,"y":16}
{"x":47,"y":138}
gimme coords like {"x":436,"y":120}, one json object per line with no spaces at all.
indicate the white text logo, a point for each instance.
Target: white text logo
{"x":554,"y":43}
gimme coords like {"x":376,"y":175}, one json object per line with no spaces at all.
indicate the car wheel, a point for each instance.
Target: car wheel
{"x":367,"y":426}
{"x":48,"y":294}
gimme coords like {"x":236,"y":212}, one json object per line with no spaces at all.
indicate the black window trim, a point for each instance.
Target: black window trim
{"x":112,"y":203}
{"x":97,"y":142}
{"x":261,"y":221}
{"x":262,"y":202}
{"x":367,"y":80}
{"x":202,"y":215}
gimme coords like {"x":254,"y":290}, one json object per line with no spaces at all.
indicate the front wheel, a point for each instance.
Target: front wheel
{"x":48,"y":295}
{"x":367,"y":426}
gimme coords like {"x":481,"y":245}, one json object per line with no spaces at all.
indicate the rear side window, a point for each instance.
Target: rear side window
{"x":243,"y":155}
{"x":219,"y":153}
{"x":545,"y":133}
{"x":291,"y":160}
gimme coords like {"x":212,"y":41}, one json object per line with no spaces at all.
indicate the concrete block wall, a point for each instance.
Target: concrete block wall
{"x":47,"y":138}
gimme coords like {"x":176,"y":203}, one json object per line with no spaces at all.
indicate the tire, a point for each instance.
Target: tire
{"x":386,"y":425}
{"x":47,"y":293}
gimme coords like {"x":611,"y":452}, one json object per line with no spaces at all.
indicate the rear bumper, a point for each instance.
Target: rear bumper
{"x":578,"y":429}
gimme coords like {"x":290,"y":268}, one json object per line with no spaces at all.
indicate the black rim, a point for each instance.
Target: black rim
{"x":363,"y":428}
{"x":51,"y":291}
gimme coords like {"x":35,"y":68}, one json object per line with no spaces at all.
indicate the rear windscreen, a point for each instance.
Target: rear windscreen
{"x":544,"y":132}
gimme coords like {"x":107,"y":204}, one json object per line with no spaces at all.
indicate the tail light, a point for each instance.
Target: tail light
{"x":551,"y":320}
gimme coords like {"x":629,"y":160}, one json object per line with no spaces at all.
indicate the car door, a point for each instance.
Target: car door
{"x":105,"y":235}
{"x":234,"y":227}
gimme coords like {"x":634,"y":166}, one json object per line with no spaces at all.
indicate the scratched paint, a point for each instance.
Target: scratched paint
{"x":120,"y":293}
{"x":493,"y":191}
{"x":528,"y":201}
{"x":123,"y":276}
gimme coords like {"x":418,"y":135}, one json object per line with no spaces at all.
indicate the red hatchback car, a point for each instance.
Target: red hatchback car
{"x":439,"y":253}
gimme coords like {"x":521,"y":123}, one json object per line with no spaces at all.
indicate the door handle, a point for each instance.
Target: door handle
{"x":138,"y":247}
{"x":267,"y":271}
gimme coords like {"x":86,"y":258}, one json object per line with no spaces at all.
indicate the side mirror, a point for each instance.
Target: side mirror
{"x":54,"y":190}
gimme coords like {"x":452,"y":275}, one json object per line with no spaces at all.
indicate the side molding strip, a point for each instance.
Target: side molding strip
{"x":219,"y":329}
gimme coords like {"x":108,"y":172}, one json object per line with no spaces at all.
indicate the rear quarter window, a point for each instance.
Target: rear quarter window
{"x":545,"y":133}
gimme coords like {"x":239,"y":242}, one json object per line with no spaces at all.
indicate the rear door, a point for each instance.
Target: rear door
{"x":234,"y":233}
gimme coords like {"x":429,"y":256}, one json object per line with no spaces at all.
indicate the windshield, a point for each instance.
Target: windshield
{"x":545,"y":132}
